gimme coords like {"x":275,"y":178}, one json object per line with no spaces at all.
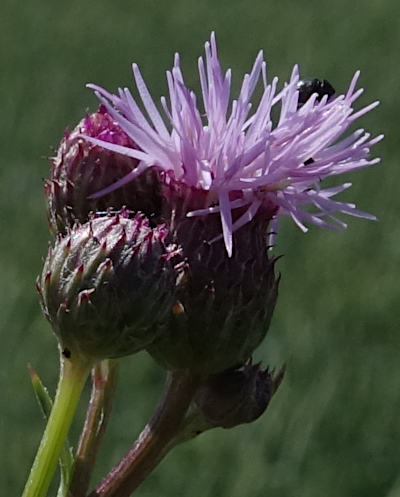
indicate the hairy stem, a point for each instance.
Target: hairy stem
{"x":153,"y":443}
{"x":104,"y":380}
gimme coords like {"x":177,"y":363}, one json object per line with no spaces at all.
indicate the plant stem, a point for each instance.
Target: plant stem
{"x":73,"y":374}
{"x":46,"y":403}
{"x":104,"y":380}
{"x":153,"y":443}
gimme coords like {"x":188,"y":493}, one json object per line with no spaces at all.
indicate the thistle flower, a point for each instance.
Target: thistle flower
{"x":238,"y":158}
{"x":107,"y":286}
{"x":80,"y":169}
{"x":226,"y":173}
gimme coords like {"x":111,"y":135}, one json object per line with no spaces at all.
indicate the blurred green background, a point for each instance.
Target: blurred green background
{"x":333,"y":428}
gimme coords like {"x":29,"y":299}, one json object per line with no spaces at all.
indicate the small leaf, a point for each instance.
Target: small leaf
{"x":41,"y":393}
{"x":66,"y":457}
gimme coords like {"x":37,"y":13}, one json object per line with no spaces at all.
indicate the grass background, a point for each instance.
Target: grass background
{"x":333,"y":428}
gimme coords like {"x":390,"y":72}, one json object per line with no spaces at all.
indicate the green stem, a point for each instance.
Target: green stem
{"x":46,"y":404}
{"x":73,"y":373}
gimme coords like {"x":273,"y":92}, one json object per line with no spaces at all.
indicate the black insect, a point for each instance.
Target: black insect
{"x":307,"y":87}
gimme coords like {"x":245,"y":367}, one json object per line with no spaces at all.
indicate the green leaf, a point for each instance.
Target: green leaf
{"x":66,"y":457}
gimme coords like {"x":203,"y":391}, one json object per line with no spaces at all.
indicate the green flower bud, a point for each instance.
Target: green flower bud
{"x":108,"y":285}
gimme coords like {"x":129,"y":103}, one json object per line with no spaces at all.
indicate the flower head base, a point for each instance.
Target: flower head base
{"x":107,"y":286}
{"x":223,"y":304}
{"x":80,"y":169}
{"x":237,"y":155}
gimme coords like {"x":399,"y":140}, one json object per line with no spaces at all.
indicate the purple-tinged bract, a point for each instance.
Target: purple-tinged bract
{"x":235,"y":153}
{"x":80,"y":169}
{"x":108,"y":286}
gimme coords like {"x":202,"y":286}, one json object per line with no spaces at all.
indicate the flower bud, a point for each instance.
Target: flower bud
{"x":228,"y":399}
{"x":81,"y":169}
{"x":108,"y":285}
{"x":237,"y":396}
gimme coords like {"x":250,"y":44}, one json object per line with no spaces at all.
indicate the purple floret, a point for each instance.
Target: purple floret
{"x":235,"y":152}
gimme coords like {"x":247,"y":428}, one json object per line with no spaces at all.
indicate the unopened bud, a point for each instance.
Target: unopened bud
{"x":107,"y":286}
{"x":81,"y":169}
{"x":237,"y":396}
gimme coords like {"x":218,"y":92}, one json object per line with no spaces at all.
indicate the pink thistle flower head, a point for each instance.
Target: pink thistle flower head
{"x":234,"y":153}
